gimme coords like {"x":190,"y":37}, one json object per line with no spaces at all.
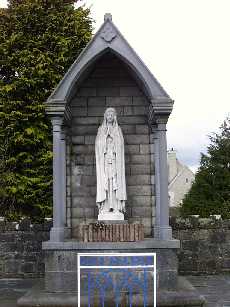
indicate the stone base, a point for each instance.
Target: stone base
{"x":58,"y":234}
{"x":162,"y":232}
{"x":60,"y":286}
{"x":111,"y":222}
{"x":61,"y":260}
{"x":185,"y":296}
{"x":111,"y":216}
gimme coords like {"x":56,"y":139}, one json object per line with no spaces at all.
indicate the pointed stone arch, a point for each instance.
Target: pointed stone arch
{"x":109,"y":39}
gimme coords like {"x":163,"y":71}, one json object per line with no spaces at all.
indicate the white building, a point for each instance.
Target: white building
{"x":180,"y":179}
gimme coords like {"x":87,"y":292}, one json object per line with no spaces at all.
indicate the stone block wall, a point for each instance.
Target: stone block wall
{"x":205,"y":247}
{"x":110,"y":85}
{"x":21,"y":254}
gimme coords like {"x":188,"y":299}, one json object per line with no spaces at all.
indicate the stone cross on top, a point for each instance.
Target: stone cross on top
{"x":107,"y":16}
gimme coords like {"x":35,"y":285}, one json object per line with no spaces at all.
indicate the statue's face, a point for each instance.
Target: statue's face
{"x":110,"y":117}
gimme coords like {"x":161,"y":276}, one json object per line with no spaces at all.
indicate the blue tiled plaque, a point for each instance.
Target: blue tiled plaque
{"x":116,"y":279}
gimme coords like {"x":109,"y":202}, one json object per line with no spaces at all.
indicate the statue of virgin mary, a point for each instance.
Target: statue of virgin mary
{"x":110,"y":168}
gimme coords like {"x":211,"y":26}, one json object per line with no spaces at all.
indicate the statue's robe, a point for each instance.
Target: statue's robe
{"x":102,"y":181}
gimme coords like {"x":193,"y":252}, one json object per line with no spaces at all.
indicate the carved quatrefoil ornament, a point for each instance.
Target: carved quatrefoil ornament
{"x":108,"y":34}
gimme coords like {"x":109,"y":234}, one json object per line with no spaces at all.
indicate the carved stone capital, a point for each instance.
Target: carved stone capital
{"x":159,"y":110}
{"x":58,"y":108}
{"x":55,"y":107}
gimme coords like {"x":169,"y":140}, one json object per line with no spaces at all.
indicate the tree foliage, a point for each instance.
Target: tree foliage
{"x":210,"y":192}
{"x":39,"y":40}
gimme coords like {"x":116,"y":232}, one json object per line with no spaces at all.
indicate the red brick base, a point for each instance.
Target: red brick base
{"x":100,"y":232}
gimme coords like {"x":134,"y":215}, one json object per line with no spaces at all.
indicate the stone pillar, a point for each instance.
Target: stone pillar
{"x":57,"y":232}
{"x":63,"y":187}
{"x":157,"y":183}
{"x":162,"y":230}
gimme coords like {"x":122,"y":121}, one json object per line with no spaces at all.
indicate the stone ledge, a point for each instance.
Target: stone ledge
{"x":197,"y":223}
{"x":144,"y":244}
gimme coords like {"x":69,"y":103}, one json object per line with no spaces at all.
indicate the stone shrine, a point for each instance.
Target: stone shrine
{"x":109,"y":75}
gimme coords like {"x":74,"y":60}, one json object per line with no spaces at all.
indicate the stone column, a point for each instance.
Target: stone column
{"x":157,"y":183}
{"x":63,"y":187}
{"x":57,"y":232}
{"x":162,"y":230}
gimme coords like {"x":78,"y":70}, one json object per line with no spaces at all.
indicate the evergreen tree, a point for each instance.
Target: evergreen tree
{"x":210,"y":192}
{"x":39,"y":40}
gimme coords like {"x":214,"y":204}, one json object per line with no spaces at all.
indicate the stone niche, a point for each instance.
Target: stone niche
{"x":110,"y":84}
{"x":108,"y":73}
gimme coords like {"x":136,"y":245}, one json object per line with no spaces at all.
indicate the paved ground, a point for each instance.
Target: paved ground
{"x":215,"y":288}
{"x":12,"y":289}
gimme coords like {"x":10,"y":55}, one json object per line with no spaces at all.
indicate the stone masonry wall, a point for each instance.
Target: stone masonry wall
{"x":110,"y":85}
{"x":205,"y":247}
{"x":21,"y":254}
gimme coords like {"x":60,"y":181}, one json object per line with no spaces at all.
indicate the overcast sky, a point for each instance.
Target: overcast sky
{"x":186,"y":45}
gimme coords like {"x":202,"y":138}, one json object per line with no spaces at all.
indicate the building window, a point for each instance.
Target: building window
{"x":186,"y":180}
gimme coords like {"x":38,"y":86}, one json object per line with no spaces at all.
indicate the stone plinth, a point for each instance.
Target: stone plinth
{"x":101,"y":232}
{"x":116,"y":216}
{"x":60,"y":287}
{"x":61,"y":260}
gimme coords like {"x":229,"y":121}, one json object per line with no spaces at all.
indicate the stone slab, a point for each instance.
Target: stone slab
{"x":147,"y":243}
{"x":107,"y":222}
{"x":111,"y":216}
{"x":185,"y":295}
